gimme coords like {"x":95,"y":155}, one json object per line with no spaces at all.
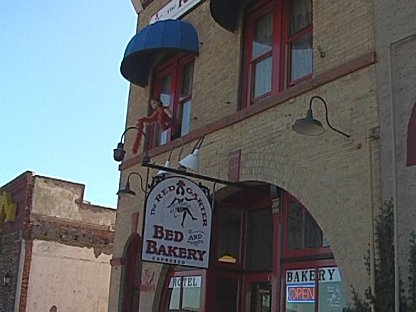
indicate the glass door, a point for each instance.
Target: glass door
{"x":260,"y":295}
{"x":257,"y":292}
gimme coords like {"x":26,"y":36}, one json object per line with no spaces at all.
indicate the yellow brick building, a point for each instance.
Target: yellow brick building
{"x":293,"y":215}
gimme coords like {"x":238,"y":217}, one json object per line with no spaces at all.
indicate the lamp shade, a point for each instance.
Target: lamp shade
{"x":126,"y":191}
{"x":191,"y":161}
{"x":119,"y":152}
{"x":163,"y":172}
{"x":308,"y":125}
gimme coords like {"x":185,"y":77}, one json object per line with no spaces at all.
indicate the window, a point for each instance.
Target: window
{"x":131,"y":273}
{"x":303,"y":234}
{"x":252,"y":242}
{"x":250,"y":231}
{"x":311,"y":288}
{"x":173,"y":85}
{"x":183,"y":292}
{"x":278,"y":47}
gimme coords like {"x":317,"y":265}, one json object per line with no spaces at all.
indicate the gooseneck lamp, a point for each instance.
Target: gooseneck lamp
{"x":119,"y":151}
{"x":191,"y":161}
{"x":127,"y":190}
{"x":312,"y":127}
{"x":167,"y":162}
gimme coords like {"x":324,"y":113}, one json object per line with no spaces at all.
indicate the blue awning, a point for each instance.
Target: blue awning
{"x":226,"y":12}
{"x":150,"y":42}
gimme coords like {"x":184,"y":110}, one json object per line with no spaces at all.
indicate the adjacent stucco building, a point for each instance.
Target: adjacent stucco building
{"x":55,"y":248}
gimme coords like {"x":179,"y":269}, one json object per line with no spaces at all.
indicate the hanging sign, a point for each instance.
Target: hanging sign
{"x":173,"y":10}
{"x":177,"y":227}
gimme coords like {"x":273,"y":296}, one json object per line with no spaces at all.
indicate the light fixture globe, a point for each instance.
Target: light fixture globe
{"x":164,"y":172}
{"x":308,"y":125}
{"x":126,"y":191}
{"x":119,"y":152}
{"x":191,"y":161}
{"x":7,"y":280}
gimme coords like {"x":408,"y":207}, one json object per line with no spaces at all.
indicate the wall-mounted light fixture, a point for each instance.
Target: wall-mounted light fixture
{"x":119,"y":151}
{"x":7,"y":280}
{"x":191,"y":161}
{"x":310,"y":126}
{"x":127,"y":190}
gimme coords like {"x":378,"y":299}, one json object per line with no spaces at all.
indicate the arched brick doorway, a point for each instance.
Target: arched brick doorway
{"x":267,"y":254}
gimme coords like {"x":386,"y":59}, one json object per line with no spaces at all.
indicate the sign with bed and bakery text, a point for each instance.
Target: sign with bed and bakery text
{"x":177,"y":228}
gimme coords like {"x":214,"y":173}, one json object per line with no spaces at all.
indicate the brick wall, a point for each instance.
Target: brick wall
{"x":396,"y":95}
{"x":329,"y":174}
{"x":10,"y":246}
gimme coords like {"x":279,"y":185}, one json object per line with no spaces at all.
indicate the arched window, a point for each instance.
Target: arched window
{"x":411,"y":139}
{"x":271,"y":253}
{"x":131,"y":277}
{"x":267,"y":254}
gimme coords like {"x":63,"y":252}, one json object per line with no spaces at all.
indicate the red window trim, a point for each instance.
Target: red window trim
{"x":280,"y":51}
{"x":174,"y":67}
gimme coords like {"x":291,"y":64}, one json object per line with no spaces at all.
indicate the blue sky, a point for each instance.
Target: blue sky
{"x":63,"y":100}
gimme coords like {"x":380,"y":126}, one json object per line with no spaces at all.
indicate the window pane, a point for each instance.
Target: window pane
{"x":294,"y":226}
{"x":260,"y":297}
{"x":313,"y":234}
{"x":165,"y":96}
{"x":263,"y":35}
{"x":302,"y":230}
{"x":186,"y":117}
{"x":226,"y":295}
{"x":300,"y":290}
{"x":262,"y":77}
{"x":228,"y":246}
{"x":300,"y":15}
{"x":259,"y":240}
{"x":191,"y":293}
{"x":301,"y":57}
{"x":188,"y":72}
{"x":331,"y":292}
{"x":174,"y":300}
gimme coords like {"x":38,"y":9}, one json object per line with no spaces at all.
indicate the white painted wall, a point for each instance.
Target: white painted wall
{"x":71,"y":278}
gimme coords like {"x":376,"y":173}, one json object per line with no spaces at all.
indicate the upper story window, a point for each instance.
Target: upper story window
{"x":278,"y":47}
{"x":172,"y":84}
